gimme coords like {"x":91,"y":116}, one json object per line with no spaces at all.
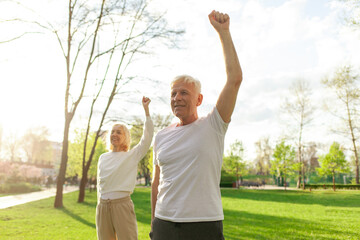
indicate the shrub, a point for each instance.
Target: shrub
{"x":226,"y":184}
{"x":226,"y":177}
{"x":330,"y":186}
{"x":21,"y":187}
{"x":12,"y":172}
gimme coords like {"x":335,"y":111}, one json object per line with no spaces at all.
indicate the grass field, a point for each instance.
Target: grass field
{"x":249,"y":214}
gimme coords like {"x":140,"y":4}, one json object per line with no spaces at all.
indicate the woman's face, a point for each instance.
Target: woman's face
{"x":117,"y":136}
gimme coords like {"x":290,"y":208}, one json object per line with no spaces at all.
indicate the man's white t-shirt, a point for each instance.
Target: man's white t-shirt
{"x":190,"y":159}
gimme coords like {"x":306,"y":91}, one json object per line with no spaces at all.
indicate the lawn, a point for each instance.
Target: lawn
{"x":249,"y":214}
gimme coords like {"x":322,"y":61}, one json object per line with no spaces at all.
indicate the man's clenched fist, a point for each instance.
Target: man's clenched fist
{"x":220,"y":21}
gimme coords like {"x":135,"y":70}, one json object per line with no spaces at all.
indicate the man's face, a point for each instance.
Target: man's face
{"x":185,"y":100}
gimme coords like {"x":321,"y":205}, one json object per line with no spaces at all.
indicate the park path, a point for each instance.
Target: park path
{"x":271,"y":187}
{"x":13,"y":200}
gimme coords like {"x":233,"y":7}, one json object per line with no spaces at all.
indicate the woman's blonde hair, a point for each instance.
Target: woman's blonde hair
{"x":126,"y":145}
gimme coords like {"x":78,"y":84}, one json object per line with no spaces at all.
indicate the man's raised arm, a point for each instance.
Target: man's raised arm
{"x":227,"y":99}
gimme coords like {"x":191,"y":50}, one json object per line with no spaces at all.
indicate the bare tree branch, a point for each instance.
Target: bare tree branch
{"x":19,"y":36}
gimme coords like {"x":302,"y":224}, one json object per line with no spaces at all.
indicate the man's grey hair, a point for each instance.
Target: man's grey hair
{"x":188,"y":79}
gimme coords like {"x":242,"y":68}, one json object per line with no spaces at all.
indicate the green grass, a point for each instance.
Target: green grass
{"x":249,"y":214}
{"x":270,"y":214}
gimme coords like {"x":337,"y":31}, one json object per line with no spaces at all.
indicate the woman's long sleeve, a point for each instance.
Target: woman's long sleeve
{"x":143,"y":146}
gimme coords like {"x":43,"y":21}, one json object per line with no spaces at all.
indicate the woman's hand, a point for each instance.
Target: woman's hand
{"x":145,"y":102}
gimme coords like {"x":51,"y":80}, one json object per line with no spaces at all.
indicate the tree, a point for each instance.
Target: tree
{"x":299,"y":108}
{"x":141,"y":29}
{"x":283,"y":163}
{"x":105,"y":34}
{"x":76,"y":148}
{"x":36,"y":145}
{"x":344,"y":84}
{"x":234,"y":163}
{"x":310,"y":158}
{"x":99,"y":40}
{"x":333,"y":162}
{"x":263,"y":156}
{"x":12,"y":146}
{"x":83,"y":26}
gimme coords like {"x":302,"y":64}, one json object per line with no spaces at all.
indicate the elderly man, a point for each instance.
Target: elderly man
{"x":186,"y":197}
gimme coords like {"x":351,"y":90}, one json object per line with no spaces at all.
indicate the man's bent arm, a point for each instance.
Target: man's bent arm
{"x":154,"y":190}
{"x":227,"y":99}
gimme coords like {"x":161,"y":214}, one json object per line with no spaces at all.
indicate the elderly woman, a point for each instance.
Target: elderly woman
{"x":115,"y":215}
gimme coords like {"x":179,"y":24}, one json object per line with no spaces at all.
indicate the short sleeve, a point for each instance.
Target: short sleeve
{"x":217,"y":123}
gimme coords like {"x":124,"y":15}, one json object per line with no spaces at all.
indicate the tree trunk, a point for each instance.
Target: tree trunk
{"x":303,"y":174}
{"x":82,"y":186}
{"x":333,"y":175}
{"x":357,"y":170}
{"x":146,"y":180}
{"x":356,"y":158}
{"x":147,"y":177}
{"x":300,"y":161}
{"x":84,"y":178}
{"x":237,"y":177}
{"x":68,"y":117}
{"x":64,"y":158}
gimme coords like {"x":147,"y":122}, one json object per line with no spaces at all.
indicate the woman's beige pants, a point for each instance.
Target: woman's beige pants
{"x":115,"y":219}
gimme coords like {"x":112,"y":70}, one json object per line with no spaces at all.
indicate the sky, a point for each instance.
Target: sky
{"x":277,"y":42}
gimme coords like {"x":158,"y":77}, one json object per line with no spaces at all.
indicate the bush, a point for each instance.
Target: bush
{"x":226,"y":184}
{"x":21,"y":187}
{"x":226,"y":177}
{"x":330,"y":186}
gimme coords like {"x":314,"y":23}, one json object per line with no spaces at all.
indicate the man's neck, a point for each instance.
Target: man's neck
{"x":187,"y":121}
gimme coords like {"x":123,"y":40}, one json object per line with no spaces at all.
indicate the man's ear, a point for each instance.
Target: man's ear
{"x":199,"y":100}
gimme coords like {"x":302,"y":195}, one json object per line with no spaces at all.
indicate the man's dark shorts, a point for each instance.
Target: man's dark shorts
{"x":165,"y":230}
